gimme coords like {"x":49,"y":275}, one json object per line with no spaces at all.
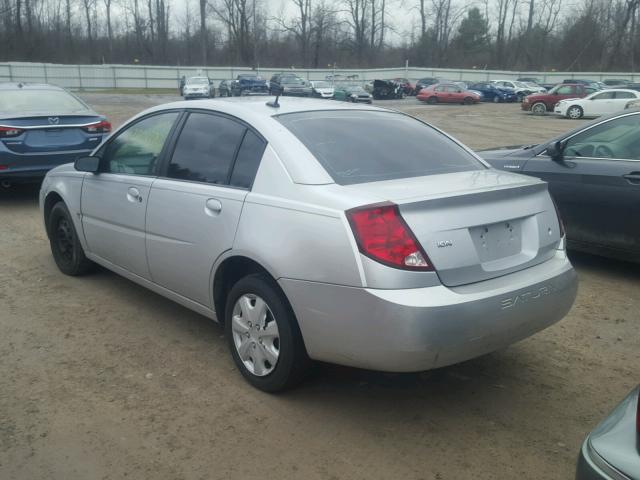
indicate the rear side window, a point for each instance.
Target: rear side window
{"x":206,"y":148}
{"x":248,"y":160}
{"x":367,"y":146}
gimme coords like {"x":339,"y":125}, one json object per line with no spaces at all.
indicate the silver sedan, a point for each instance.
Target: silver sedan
{"x":315,"y":231}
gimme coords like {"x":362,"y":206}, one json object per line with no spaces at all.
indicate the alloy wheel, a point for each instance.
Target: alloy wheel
{"x":575,"y":113}
{"x":255,"y":335}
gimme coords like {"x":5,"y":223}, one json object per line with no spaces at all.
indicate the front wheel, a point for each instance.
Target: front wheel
{"x":468,"y":101}
{"x":539,"y":108}
{"x":432,"y":100}
{"x":496,"y":99}
{"x":65,"y":245}
{"x":263,"y":335}
{"x":575,"y":112}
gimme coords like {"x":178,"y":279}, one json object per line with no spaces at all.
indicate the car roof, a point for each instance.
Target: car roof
{"x":28,"y":86}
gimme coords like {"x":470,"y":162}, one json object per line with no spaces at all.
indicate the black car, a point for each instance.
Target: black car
{"x":224,"y":89}
{"x":249,"y":84}
{"x":289,"y":84}
{"x":610,"y":452}
{"x":387,"y":89}
{"x":594,"y":176}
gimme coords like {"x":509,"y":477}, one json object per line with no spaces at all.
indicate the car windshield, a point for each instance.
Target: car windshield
{"x":358,"y":146}
{"x":520,"y":84}
{"x":198,"y":81}
{"x":531,"y":84}
{"x":321,"y":84}
{"x":57,"y":101}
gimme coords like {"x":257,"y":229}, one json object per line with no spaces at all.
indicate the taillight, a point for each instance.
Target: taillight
{"x":638,"y":414}
{"x":560,"y":222}
{"x":382,"y":235}
{"x":8,"y":132}
{"x":99,"y":127}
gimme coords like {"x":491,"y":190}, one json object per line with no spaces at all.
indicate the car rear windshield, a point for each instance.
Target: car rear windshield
{"x":359,"y":146}
{"x":55,"y":101}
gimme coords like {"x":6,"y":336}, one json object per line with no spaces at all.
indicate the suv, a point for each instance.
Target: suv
{"x":541,"y":103}
{"x":289,"y":84}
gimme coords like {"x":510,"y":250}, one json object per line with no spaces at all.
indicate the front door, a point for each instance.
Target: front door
{"x":597,"y":184}
{"x":195,"y":206}
{"x":114,"y":201}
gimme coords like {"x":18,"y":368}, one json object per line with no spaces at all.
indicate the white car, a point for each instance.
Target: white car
{"x":534,"y":87}
{"x":521,"y":89}
{"x":197,"y":87}
{"x":322,"y":89}
{"x":599,"y":103}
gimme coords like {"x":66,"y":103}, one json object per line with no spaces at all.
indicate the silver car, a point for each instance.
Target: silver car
{"x":316,"y":231}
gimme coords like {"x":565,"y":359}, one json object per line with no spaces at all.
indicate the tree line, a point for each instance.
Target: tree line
{"x":576,"y":35}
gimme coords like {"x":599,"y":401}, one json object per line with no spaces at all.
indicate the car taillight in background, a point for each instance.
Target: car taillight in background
{"x":99,"y":127}
{"x":8,"y":132}
{"x":382,"y":235}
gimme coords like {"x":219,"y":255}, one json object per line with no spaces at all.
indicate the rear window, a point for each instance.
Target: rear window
{"x":366,"y":146}
{"x":54,"y":101}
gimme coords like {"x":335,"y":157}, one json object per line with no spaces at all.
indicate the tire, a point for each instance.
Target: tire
{"x":65,"y":245}
{"x":575,"y":112}
{"x":539,"y":108}
{"x":291,"y":360}
{"x":496,"y":99}
{"x":467,"y":101}
{"x":432,"y":100}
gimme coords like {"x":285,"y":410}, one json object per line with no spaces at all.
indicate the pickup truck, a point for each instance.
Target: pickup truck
{"x":541,"y":103}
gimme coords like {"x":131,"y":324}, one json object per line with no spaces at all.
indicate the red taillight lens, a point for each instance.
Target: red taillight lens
{"x":562,"y":230}
{"x":8,"y":132}
{"x":382,"y":234}
{"x":98,"y":127}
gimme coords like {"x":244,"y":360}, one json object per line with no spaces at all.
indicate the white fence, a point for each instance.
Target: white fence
{"x":139,"y":76}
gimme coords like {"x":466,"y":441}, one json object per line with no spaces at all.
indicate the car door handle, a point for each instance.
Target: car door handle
{"x":133,"y":195}
{"x":633,"y":177}
{"x":212,"y":207}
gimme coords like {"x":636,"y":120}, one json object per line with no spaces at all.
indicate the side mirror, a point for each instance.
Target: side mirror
{"x":87,"y":164}
{"x":555,"y":151}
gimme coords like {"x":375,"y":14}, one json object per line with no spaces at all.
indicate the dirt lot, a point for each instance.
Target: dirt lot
{"x":102,"y":379}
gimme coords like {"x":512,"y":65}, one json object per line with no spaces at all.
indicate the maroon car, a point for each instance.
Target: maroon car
{"x":541,"y":103}
{"x":447,"y":93}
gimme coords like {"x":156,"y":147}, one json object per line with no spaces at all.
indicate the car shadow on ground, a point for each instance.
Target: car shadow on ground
{"x":21,"y":194}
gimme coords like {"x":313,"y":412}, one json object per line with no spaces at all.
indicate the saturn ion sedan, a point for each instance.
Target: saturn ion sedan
{"x":316,"y":231}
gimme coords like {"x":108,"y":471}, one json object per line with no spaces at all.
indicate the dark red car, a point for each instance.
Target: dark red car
{"x":447,"y":93}
{"x":408,"y":87}
{"x":541,"y":103}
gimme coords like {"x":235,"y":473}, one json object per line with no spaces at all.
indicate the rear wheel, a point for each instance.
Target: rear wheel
{"x":65,"y":245}
{"x":432,"y":100}
{"x":575,"y":112}
{"x":263,"y":334}
{"x":539,"y":108}
{"x":496,"y":99}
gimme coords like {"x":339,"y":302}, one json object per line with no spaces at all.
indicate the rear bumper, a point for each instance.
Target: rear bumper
{"x":424,"y":328}
{"x":592,"y":466}
{"x":28,"y":167}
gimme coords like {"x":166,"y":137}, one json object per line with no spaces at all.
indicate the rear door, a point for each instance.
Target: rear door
{"x":114,"y":201}
{"x":195,"y":205}
{"x":597,"y":186}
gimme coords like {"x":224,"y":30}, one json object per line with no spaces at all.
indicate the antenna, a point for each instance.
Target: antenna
{"x":274,"y":103}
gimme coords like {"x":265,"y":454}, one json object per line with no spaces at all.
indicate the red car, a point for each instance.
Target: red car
{"x":541,"y":103}
{"x":447,"y":93}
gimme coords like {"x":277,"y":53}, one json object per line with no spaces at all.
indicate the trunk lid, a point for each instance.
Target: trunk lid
{"x":476,"y":225}
{"x":52,"y":133}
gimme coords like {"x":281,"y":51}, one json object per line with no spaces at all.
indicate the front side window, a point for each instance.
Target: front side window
{"x":206,"y":149}
{"x":618,"y":138}
{"x":564,"y":90}
{"x":603,"y":96}
{"x":135,"y":151}
{"x":363,"y":146}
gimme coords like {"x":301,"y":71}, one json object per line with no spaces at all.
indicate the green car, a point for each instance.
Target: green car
{"x":352,"y":93}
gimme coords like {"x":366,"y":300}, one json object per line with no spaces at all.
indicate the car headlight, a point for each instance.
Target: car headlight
{"x":353,"y":95}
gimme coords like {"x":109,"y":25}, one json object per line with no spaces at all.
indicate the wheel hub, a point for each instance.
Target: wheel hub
{"x":255,"y":334}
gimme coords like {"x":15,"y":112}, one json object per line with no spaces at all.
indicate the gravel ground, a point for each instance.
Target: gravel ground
{"x":102,"y":379}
